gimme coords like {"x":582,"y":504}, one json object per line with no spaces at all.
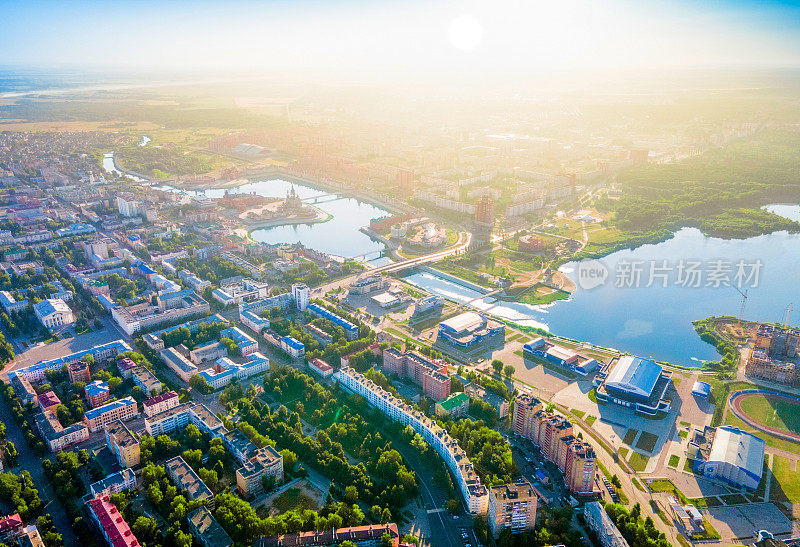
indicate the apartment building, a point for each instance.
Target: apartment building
{"x":146,"y":380}
{"x":35,"y":373}
{"x":114,"y":484}
{"x":225,"y":370}
{"x":598,"y":520}
{"x":243,"y":341}
{"x":79,"y":372}
{"x":180,"y":416}
{"x":123,"y":444}
{"x":178,"y":362}
{"x":210,"y":351}
{"x":512,"y":506}
{"x":361,"y":536}
{"x":160,"y":403}
{"x":111,"y":523}
{"x":350,"y":328}
{"x":554,"y":436}
{"x":96,"y":393}
{"x":206,"y":530}
{"x":121,"y":409}
{"x":430,"y":374}
{"x":250,"y":477}
{"x":55,"y":435}
{"x":473,"y":492}
{"x":187,"y":481}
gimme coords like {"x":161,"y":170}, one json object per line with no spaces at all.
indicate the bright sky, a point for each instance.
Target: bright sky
{"x":469,"y":36}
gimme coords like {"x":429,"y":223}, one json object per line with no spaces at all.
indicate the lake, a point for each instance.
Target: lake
{"x":656,"y":321}
{"x":338,"y":236}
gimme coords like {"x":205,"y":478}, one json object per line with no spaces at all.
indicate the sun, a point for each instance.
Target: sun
{"x":465,"y":32}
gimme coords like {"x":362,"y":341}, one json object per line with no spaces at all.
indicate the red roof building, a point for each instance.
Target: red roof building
{"x":126,"y":365}
{"x":49,"y":401}
{"x":160,"y":403}
{"x":111,"y":523}
{"x":10,"y":526}
{"x":320,"y":367}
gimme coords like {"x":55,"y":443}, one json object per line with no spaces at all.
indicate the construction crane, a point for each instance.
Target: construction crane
{"x":741,"y":310}
{"x":786,"y":319}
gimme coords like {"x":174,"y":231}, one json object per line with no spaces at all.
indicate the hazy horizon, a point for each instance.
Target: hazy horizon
{"x":390,"y":40}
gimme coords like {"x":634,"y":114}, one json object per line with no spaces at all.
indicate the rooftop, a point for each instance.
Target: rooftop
{"x":467,"y":321}
{"x":513,"y":491}
{"x":634,"y":375}
{"x":208,"y":527}
{"x":113,"y":524}
{"x":100,"y":410}
{"x":454,"y":400}
{"x":738,"y":448}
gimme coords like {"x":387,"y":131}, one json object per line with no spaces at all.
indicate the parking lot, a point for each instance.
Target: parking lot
{"x":744,"y":521}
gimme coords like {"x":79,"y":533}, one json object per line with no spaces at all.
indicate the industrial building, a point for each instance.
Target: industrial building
{"x":635,"y":383}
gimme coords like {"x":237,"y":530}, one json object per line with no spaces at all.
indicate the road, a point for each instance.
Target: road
{"x":464,"y":240}
{"x":32,"y":463}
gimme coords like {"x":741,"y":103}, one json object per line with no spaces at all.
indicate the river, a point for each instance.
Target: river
{"x":656,"y":321}
{"x":111,"y":167}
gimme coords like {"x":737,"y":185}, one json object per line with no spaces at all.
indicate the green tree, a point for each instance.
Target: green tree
{"x":497,"y":365}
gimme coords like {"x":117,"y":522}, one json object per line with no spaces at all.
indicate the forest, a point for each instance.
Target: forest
{"x":721,"y":192}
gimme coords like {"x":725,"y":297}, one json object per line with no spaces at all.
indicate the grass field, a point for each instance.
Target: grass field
{"x":666,"y":485}
{"x":638,"y":462}
{"x":674,"y":460}
{"x":773,"y":412}
{"x":590,"y":420}
{"x":788,"y":480}
{"x":774,"y":442}
{"x":579,"y":413}
{"x":647,"y":441}
{"x":630,"y":435}
{"x":293,"y":498}
{"x":734,"y":499}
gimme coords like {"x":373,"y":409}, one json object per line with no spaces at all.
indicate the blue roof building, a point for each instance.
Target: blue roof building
{"x":103,"y":351}
{"x":241,"y":339}
{"x":350,"y":329}
{"x":731,"y":455}
{"x":701,"y":389}
{"x":635,"y":383}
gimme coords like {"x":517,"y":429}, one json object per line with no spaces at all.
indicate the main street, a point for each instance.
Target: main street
{"x":30,"y":462}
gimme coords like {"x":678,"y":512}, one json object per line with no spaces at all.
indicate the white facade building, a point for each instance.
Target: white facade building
{"x":53,"y":313}
{"x":474,"y":494}
{"x":300,"y":295}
